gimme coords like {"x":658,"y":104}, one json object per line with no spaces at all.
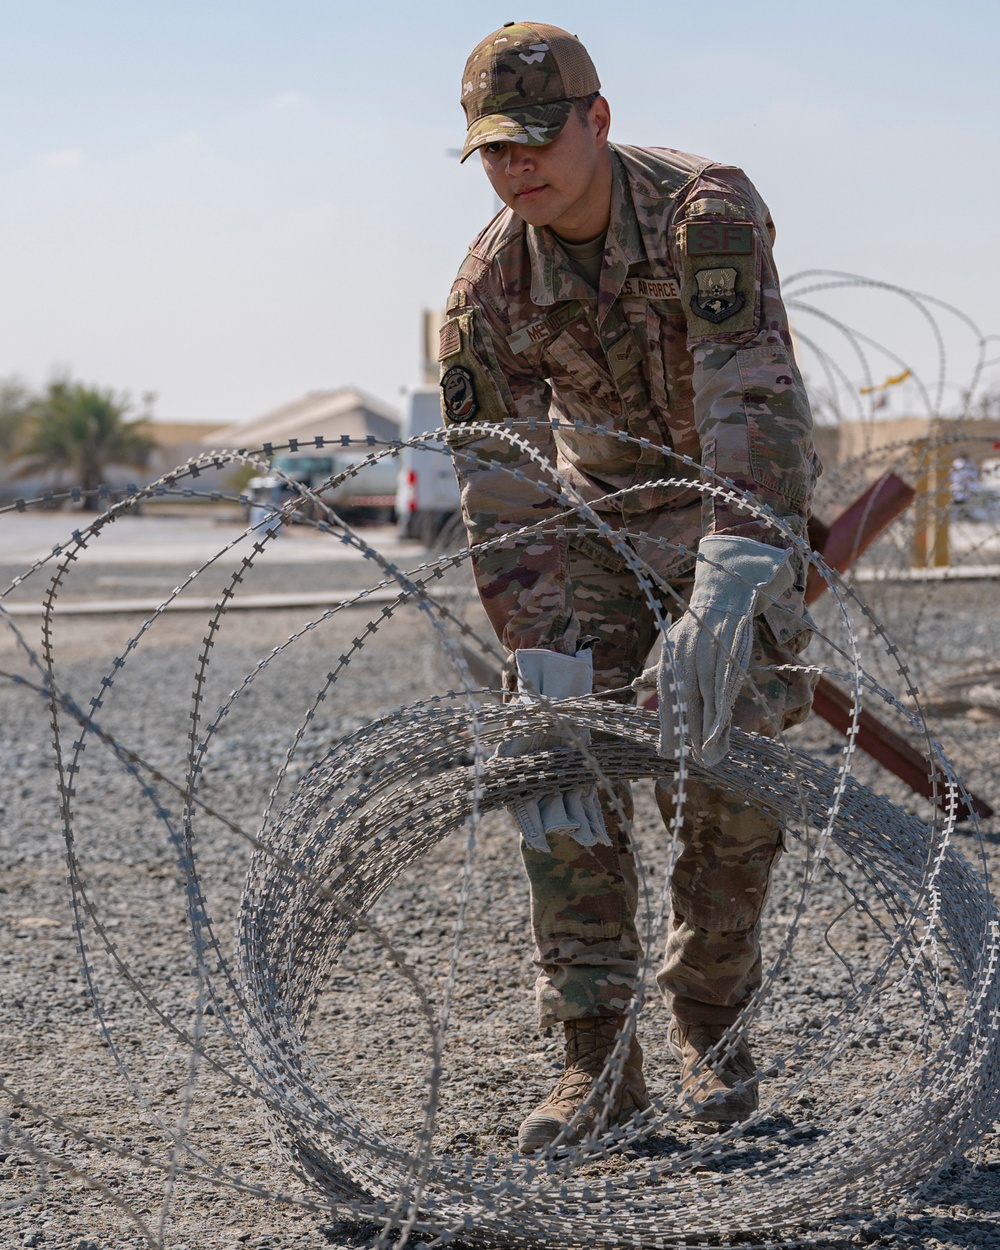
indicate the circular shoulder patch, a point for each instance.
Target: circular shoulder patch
{"x":458,"y":394}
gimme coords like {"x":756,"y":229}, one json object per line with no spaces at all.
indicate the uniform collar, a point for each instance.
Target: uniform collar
{"x":553,"y":278}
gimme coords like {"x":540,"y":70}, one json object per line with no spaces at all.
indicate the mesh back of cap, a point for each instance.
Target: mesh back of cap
{"x":576,"y":69}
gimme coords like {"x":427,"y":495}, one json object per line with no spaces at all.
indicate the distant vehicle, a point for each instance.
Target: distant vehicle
{"x":365,"y":496}
{"x":989,"y":476}
{"x":427,"y":490}
{"x":976,"y":494}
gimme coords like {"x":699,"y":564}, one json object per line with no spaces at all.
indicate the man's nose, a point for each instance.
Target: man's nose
{"x":519,"y":159}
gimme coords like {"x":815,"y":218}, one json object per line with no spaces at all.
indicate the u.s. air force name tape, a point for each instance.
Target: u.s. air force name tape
{"x":652,"y":288}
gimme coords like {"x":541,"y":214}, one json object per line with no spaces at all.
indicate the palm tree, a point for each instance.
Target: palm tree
{"x":15,"y":399}
{"x":83,"y":430}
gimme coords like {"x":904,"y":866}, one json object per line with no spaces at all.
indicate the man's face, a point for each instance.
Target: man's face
{"x":565,"y":184}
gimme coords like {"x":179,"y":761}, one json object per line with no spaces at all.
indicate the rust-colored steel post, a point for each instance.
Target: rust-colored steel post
{"x":857,"y":527}
{"x":891,"y":750}
{"x":840,"y":544}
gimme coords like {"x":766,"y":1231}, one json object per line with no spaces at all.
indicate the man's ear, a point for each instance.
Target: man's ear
{"x":599,"y":120}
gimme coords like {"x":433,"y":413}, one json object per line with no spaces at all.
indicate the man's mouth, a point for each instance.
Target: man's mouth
{"x":527,"y":193}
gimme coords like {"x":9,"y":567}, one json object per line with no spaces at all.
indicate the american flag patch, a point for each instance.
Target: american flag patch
{"x":450,"y":340}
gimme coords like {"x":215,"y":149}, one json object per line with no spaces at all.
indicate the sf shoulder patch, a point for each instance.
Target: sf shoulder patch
{"x":718,"y":238}
{"x":721,"y":277}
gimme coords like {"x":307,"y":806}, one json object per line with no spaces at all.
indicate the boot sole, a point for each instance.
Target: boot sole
{"x":715,"y":1112}
{"x":537,"y":1132}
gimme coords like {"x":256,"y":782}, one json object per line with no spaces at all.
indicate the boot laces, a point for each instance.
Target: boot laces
{"x":590,"y":1042}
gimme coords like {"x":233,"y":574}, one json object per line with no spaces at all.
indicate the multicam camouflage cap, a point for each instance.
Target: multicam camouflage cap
{"x":519,"y":84}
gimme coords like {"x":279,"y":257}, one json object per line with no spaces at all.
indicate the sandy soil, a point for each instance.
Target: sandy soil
{"x":86,"y":1158}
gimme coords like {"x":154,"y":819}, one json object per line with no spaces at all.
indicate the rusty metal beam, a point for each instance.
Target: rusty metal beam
{"x":857,"y":527}
{"x":891,"y":750}
{"x":840,"y":544}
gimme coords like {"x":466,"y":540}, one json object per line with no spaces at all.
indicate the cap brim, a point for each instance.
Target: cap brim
{"x":533,"y":126}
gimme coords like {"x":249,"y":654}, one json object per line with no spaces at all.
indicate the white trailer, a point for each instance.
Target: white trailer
{"x":427,"y":490}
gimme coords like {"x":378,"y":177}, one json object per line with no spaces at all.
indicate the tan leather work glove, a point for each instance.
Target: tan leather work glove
{"x":710,"y":645}
{"x":573,"y":811}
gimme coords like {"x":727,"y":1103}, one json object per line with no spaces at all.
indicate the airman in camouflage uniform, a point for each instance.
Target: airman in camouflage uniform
{"x":678,"y":337}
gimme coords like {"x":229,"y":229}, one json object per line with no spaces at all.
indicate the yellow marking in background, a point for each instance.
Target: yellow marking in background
{"x":893,"y":381}
{"x":931,"y":507}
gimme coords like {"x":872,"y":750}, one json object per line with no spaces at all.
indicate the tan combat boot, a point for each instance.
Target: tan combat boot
{"x":589,"y":1042}
{"x":723,"y":1091}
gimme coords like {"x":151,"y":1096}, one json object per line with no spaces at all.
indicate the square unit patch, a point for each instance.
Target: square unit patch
{"x":721,"y":291}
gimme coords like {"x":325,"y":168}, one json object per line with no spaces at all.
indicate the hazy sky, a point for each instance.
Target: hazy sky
{"x":230,"y":203}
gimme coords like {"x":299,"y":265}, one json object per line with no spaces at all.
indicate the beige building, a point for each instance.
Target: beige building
{"x":326,"y":414}
{"x":177,"y":441}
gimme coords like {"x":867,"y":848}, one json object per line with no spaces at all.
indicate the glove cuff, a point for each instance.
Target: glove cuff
{"x":553,"y":675}
{"x":732,"y":569}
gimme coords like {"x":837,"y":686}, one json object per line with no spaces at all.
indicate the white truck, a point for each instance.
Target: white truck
{"x":363,"y":497}
{"x":426,"y":489}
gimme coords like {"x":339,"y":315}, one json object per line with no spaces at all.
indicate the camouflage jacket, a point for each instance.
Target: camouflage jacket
{"x":686,"y":345}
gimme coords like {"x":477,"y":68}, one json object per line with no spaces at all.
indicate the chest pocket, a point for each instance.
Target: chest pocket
{"x":650,"y":321}
{"x":582,"y":374}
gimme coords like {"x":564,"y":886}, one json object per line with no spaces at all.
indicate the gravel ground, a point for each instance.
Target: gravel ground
{"x":63,"y":1182}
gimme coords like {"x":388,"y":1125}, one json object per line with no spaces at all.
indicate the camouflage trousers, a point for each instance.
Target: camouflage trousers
{"x":583,"y":899}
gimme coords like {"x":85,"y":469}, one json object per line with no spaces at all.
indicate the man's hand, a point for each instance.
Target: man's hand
{"x":575,"y":811}
{"x":710,"y":645}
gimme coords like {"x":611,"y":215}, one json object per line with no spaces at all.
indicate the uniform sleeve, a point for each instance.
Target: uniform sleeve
{"x":751,"y":407}
{"x":523,"y":585}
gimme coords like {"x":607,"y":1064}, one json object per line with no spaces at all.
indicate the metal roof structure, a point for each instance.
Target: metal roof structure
{"x":329,"y":414}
